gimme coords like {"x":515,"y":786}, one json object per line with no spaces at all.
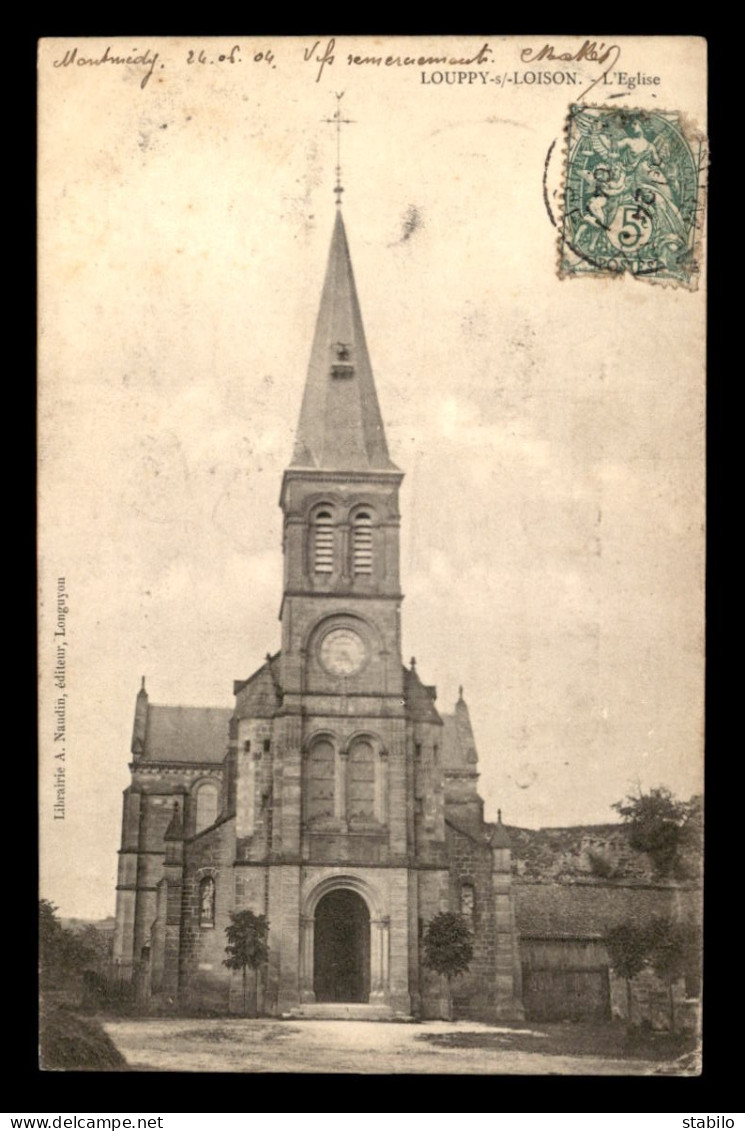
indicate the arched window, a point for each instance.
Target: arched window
{"x":207,"y":902}
{"x":323,"y":543}
{"x":321,"y":776}
{"x":208,"y":796}
{"x":362,"y":544}
{"x":362,"y":781}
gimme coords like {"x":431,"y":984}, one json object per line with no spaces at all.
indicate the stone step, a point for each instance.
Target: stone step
{"x":343,"y":1011}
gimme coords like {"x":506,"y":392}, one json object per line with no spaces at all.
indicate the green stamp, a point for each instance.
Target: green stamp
{"x":633,"y":196}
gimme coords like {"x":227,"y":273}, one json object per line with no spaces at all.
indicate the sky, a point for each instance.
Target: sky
{"x":550,"y":431}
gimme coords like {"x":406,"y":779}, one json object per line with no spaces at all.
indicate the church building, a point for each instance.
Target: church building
{"x":334,"y":797}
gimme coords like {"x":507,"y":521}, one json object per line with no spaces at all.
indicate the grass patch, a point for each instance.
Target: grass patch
{"x":573,"y":1039}
{"x":67,"y":1041}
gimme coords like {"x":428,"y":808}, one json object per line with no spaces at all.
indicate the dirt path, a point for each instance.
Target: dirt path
{"x":239,"y":1045}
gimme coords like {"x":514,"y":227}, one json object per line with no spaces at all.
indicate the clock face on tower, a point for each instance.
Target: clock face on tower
{"x":342,"y":652}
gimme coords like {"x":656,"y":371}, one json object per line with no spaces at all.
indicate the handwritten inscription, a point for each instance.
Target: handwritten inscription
{"x":600,"y":58}
{"x":71,"y":58}
{"x":150,"y":60}
{"x":199,"y":55}
{"x":324,"y":59}
{"x":589,"y":52}
{"x":327,"y":56}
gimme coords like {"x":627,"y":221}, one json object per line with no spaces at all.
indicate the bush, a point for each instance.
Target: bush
{"x":448,"y":948}
{"x":660,"y":825}
{"x":600,"y":866}
{"x":247,"y":947}
{"x":66,"y":1041}
{"x":63,"y":954}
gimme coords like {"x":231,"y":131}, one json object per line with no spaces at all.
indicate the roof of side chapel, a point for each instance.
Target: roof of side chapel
{"x":185,"y":734}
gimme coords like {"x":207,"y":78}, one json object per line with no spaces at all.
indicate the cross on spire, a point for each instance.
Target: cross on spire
{"x":339,"y":121}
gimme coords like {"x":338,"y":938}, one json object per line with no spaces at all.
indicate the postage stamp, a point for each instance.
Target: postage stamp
{"x":634,"y":190}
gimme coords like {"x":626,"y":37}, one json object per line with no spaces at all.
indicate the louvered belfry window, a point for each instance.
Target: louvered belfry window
{"x":323,"y":549}
{"x":362,"y":544}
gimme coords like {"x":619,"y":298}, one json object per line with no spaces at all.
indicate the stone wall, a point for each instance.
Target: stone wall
{"x":471,"y":868}
{"x":203,"y":979}
{"x":601,"y":852}
{"x":587,"y":908}
{"x":433,"y":897}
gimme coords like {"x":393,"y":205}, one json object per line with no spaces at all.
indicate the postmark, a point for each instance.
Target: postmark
{"x":633,"y":199}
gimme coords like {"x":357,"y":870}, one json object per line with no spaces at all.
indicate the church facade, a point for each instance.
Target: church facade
{"x":334,"y":797}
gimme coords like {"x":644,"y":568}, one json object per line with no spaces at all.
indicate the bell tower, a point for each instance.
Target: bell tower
{"x":343,"y":810}
{"x":341,"y":600}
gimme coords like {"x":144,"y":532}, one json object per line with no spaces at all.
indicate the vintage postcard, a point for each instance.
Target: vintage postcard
{"x":371,"y":576}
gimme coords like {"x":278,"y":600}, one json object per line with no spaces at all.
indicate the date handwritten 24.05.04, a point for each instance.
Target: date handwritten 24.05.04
{"x":199,"y":55}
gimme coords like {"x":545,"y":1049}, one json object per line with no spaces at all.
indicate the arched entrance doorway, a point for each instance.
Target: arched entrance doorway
{"x":341,"y":947}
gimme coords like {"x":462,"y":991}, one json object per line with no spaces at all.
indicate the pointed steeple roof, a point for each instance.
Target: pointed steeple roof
{"x":500,"y":838}
{"x":140,"y":724}
{"x":340,"y":426}
{"x":466,"y":743}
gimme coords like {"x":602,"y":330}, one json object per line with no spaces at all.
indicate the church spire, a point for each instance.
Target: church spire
{"x":340,"y":426}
